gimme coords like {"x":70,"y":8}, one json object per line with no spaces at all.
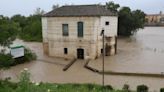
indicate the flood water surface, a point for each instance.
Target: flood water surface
{"x":142,"y":53}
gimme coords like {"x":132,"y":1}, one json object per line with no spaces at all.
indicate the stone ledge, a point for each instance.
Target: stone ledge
{"x":69,"y":65}
{"x":121,"y":73}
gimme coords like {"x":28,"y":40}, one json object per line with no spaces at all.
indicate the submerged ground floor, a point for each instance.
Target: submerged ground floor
{"x":80,"y":48}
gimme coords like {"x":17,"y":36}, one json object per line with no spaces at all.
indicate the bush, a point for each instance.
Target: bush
{"x":126,"y":88}
{"x":6,"y":82}
{"x":6,"y":60}
{"x":162,"y":90}
{"x":142,"y":88}
{"x":108,"y":87}
{"x":29,"y":55}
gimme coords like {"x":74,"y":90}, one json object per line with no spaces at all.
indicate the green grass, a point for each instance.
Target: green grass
{"x":49,"y":87}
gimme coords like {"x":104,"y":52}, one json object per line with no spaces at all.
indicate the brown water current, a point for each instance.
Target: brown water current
{"x":142,"y":53}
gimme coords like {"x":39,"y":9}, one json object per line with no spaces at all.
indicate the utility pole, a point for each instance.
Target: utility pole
{"x":103,"y":38}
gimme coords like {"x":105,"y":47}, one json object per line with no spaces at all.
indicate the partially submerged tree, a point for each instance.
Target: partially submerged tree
{"x":130,"y":21}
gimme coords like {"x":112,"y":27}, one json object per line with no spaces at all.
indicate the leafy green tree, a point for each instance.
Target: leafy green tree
{"x":21,"y":20}
{"x":55,"y":6}
{"x":125,"y":22}
{"x":112,"y":6}
{"x":33,"y":30}
{"x":130,"y":21}
{"x":8,"y":31}
{"x":39,"y":11}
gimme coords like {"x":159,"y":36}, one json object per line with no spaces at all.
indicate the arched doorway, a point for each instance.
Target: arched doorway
{"x":80,"y":53}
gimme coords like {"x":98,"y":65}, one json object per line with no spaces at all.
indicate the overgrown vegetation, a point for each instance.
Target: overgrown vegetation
{"x":6,"y":60}
{"x":9,"y":30}
{"x":30,"y":27}
{"x":128,"y":21}
{"x":26,"y":28}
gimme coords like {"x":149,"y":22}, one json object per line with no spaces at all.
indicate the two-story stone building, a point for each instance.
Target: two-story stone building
{"x":74,"y":31}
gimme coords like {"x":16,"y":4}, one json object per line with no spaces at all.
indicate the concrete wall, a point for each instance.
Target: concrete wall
{"x":91,"y":42}
{"x":57,"y":42}
{"x":154,"y":19}
{"x":44,"y":30}
{"x":111,"y":29}
{"x":110,"y":32}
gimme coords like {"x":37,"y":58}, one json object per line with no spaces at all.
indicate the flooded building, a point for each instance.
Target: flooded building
{"x":74,"y":31}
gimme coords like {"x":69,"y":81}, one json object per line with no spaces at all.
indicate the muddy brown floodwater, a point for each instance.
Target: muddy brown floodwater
{"x":142,"y":53}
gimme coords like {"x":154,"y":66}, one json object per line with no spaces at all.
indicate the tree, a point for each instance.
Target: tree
{"x":128,"y":21}
{"x":33,"y":30}
{"x":8,"y":31}
{"x":39,"y":11}
{"x":55,"y":6}
{"x":112,"y":6}
{"x":21,"y":20}
{"x":125,"y":21}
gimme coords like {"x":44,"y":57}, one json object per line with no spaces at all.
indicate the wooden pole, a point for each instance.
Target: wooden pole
{"x":103,"y":57}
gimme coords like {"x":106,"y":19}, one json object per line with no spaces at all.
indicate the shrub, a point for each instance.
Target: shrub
{"x":24,"y":76}
{"x":108,"y":87}
{"x":6,"y":83}
{"x":142,"y":88}
{"x":162,"y":90}
{"x":126,"y":88}
{"x":29,"y":55}
{"x":6,"y":60}
{"x":24,"y":81}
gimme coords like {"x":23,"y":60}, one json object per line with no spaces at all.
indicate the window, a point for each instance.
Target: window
{"x":65,"y":29}
{"x":80,"y":29}
{"x":101,"y":51}
{"x":65,"y":50}
{"x":107,"y":23}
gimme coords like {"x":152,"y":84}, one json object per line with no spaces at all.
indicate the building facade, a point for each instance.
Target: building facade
{"x":74,"y":31}
{"x":155,"y":19}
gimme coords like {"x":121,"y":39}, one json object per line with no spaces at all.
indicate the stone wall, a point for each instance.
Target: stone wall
{"x":55,"y":42}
